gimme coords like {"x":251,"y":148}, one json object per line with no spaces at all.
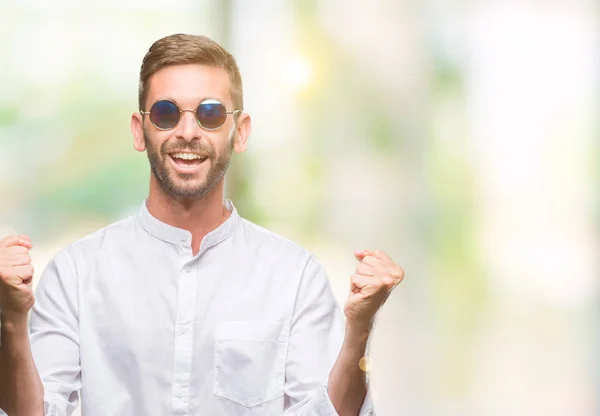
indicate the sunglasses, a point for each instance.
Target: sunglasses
{"x":210,"y":114}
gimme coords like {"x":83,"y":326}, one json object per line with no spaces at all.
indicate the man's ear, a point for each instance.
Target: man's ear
{"x":242,"y":133}
{"x":137,"y":129}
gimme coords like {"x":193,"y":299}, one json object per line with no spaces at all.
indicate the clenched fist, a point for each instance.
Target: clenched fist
{"x":375,"y":277}
{"x":16,"y":273}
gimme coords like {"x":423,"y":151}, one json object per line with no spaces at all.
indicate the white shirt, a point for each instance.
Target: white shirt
{"x":129,"y":317}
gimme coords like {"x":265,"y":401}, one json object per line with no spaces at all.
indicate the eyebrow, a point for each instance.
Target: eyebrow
{"x":199,"y":102}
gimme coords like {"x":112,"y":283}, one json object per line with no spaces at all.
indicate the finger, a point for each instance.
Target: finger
{"x":15,"y":250}
{"x":360,"y":280}
{"x":383,"y":263}
{"x":382,"y":255}
{"x":377,"y":283}
{"x":19,"y":274}
{"x":370,"y":285}
{"x":397,"y":274}
{"x":380,"y":267}
{"x":365,"y":269}
{"x":372,"y":261}
{"x":25,"y":273}
{"x":9,"y":241}
{"x":25,"y":241}
{"x":20,"y":259}
{"x":361,"y":254}
{"x":26,"y":244}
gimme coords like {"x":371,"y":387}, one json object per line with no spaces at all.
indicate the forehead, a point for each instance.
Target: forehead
{"x":188,"y":84}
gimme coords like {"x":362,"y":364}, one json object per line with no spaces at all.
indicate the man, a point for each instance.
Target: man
{"x":186,"y":308}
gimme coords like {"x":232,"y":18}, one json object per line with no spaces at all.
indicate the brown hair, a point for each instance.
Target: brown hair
{"x":183,"y":49}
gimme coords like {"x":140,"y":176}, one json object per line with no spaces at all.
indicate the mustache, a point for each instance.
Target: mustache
{"x":194,"y":147}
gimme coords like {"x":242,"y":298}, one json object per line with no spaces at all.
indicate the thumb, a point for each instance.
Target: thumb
{"x":11,"y":240}
{"x":361,"y":254}
{"x":25,"y":241}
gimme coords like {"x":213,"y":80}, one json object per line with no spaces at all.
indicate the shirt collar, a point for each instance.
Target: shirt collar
{"x":179,"y":236}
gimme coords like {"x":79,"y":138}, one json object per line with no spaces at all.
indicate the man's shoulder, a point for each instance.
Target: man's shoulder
{"x":261,"y":236}
{"x":115,"y":232}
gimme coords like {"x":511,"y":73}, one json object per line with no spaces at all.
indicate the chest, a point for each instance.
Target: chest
{"x":202,"y":329}
{"x":158,"y":293}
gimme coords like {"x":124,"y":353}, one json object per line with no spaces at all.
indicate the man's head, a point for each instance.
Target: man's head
{"x":189,"y":151}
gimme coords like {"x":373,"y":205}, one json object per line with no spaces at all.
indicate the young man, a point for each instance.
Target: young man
{"x":186,"y":308}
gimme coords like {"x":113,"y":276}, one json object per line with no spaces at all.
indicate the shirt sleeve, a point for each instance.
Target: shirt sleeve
{"x":317,"y":333}
{"x":54,"y":336}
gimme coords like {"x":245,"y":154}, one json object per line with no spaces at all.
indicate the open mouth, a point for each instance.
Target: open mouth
{"x":187,"y":162}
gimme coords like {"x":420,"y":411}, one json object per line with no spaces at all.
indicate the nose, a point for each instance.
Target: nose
{"x":188,"y":128}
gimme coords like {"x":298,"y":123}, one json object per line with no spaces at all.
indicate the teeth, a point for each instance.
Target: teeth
{"x":187,"y":156}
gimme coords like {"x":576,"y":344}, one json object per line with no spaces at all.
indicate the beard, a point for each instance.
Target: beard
{"x":187,"y":186}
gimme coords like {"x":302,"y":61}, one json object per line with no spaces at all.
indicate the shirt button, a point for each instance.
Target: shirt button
{"x":183,"y":331}
{"x":187,"y":270}
{"x":183,"y":239}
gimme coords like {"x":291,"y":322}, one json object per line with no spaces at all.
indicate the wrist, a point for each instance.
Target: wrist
{"x":14,"y":334}
{"x":357,"y":334}
{"x":358,"y":328}
{"x":12,"y":321}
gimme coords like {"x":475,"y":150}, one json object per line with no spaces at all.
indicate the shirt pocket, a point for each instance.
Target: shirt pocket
{"x":249,"y":361}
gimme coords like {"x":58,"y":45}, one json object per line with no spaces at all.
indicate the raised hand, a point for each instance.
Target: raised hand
{"x":375,"y":277}
{"x":16,"y":273}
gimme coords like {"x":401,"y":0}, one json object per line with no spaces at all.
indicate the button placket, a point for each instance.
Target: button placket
{"x":186,"y":306}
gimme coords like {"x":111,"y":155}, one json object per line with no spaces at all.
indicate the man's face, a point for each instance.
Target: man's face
{"x":188,"y":161}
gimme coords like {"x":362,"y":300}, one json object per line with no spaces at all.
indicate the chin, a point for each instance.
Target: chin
{"x":190,"y":191}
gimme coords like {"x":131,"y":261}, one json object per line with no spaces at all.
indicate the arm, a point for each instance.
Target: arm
{"x":323,"y":377}
{"x":347,"y":384}
{"x":375,"y":277}
{"x":21,"y":390}
{"x":54,"y":341}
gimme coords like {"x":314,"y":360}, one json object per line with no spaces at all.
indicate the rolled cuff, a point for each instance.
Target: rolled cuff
{"x":53,"y":406}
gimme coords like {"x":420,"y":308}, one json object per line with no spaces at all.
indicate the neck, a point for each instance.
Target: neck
{"x":199,"y":217}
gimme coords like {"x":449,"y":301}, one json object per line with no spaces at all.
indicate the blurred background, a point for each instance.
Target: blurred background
{"x":459,"y":136}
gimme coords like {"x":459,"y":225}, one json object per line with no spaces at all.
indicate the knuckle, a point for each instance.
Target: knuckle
{"x":399,"y":273}
{"x":379,"y":284}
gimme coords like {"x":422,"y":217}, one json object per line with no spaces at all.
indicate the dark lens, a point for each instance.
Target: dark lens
{"x":211,"y":114}
{"x":164,"y":114}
